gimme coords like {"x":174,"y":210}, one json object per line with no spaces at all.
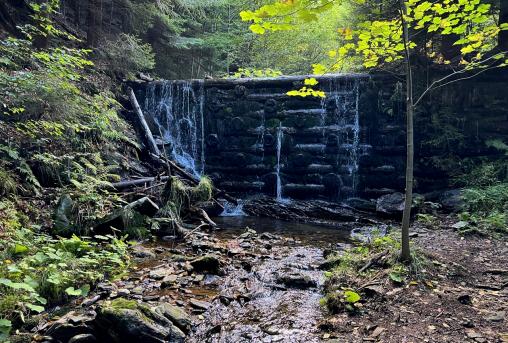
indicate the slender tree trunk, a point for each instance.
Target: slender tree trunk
{"x":405,"y":254}
{"x":93,"y":30}
{"x":503,"y":18}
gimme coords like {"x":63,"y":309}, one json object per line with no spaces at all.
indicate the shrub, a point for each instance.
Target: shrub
{"x":487,"y":199}
{"x":125,"y":55}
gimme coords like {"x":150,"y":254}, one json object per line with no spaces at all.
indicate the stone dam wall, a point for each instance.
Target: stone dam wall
{"x":251,"y":138}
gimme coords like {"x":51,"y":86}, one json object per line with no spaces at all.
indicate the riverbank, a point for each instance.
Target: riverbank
{"x":246,"y":286}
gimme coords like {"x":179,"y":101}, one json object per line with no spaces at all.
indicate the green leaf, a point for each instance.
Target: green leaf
{"x":351,"y":297}
{"x":311,"y":82}
{"x":17,"y":285}
{"x":258,"y":29}
{"x":19,"y":249}
{"x":5,"y":329}
{"x":395,"y":277}
{"x":35,"y":308}
{"x":83,"y":291}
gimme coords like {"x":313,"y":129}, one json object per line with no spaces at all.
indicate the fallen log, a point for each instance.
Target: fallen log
{"x":138,"y":182}
{"x":187,"y":176}
{"x":120,"y":218}
{"x":204,"y":216}
{"x":152,"y":146}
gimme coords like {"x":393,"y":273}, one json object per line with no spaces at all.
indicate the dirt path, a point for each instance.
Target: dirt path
{"x":463,"y":298}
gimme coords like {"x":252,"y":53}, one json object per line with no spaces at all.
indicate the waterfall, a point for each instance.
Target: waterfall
{"x":345,"y":100}
{"x":177,"y":111}
{"x":354,"y":154}
{"x":280,"y":136}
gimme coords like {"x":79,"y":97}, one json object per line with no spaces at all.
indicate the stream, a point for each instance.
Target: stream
{"x":271,"y":293}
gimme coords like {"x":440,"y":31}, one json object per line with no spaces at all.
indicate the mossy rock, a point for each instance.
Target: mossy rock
{"x":125,"y":320}
{"x":176,"y":315}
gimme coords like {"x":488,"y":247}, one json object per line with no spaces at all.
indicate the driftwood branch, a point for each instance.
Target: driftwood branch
{"x":183,"y":173}
{"x":375,"y":259}
{"x":152,"y":147}
{"x":139,"y":182}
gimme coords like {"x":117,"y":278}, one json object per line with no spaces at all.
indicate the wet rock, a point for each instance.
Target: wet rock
{"x":362,"y":204}
{"x":390,"y":204}
{"x":267,"y":236}
{"x":176,"y":315}
{"x":211,"y":279}
{"x":296,"y":280}
{"x":83,"y":338}
{"x":70,"y":325}
{"x":142,"y":252}
{"x":90,"y":301}
{"x":63,"y":216}
{"x":200,"y":305}
{"x":202,"y":245}
{"x":169,"y":281}
{"x":126,"y":320}
{"x":249,"y":233}
{"x":206,"y":264}
{"x":123,"y":292}
{"x":159,"y":274}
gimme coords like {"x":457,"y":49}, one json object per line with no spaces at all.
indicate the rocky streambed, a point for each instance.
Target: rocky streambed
{"x":236,"y":285}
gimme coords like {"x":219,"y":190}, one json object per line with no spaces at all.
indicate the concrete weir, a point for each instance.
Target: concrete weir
{"x":250,"y":137}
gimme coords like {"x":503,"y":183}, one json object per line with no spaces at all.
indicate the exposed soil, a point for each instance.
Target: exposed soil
{"x":463,"y":297}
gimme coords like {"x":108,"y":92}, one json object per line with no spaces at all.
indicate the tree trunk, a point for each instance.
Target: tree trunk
{"x":92,"y":34}
{"x":6,"y":21}
{"x":503,"y":18}
{"x":405,"y":254}
{"x":152,"y":146}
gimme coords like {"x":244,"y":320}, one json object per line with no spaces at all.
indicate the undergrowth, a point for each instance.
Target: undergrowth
{"x":485,"y":196}
{"x":368,"y":263}
{"x":37,"y":270}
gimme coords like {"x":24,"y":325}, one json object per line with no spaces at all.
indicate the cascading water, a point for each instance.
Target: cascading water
{"x":177,"y":110}
{"x":345,"y":100}
{"x":280,"y":137}
{"x":232,"y":210}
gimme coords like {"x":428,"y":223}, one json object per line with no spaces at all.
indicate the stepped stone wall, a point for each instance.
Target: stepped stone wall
{"x":251,"y":138}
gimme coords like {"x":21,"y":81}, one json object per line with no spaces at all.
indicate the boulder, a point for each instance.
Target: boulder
{"x":176,"y":315}
{"x":362,"y":204}
{"x":296,"y":280}
{"x":127,"y":321}
{"x":452,"y":200}
{"x":392,"y":205}
{"x":70,"y":325}
{"x":206,"y":264}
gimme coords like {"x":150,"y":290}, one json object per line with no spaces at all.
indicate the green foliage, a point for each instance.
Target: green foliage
{"x":254,"y":73}
{"x":8,"y":184}
{"x":39,"y":270}
{"x":307,"y":90}
{"x":343,"y":276}
{"x":125,"y":55}
{"x":380,"y":42}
